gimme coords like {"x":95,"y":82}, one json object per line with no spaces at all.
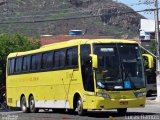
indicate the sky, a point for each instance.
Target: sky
{"x":139,"y":5}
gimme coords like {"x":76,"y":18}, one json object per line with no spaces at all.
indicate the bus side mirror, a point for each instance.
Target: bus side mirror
{"x":94,"y":61}
{"x":148,"y":61}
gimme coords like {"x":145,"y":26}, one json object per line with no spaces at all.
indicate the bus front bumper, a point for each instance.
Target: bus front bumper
{"x":103,"y":103}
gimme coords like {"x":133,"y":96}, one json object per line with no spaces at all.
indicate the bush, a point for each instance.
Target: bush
{"x":13,"y":43}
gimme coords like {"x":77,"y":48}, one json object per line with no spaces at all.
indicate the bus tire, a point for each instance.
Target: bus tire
{"x":149,"y":93}
{"x":79,"y":107}
{"x":122,"y":111}
{"x":32,"y":105}
{"x":23,"y":104}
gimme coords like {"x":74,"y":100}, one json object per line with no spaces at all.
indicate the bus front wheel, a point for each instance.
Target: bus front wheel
{"x":122,"y":111}
{"x":32,"y":105}
{"x":80,"y":109}
{"x":23,"y":104}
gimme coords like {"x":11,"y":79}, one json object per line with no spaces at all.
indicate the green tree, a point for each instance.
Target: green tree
{"x":13,"y":43}
{"x":153,"y":47}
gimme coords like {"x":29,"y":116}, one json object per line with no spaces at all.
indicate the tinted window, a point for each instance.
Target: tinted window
{"x":18,"y":64}
{"x":44,"y":60}
{"x":11,"y":66}
{"x":59,"y":58}
{"x":62,"y":58}
{"x":56,"y":58}
{"x":69,"y":57}
{"x":72,"y":57}
{"x":35,"y":62}
{"x":75,"y":56}
{"x":47,"y":60}
{"x":25,"y":63}
{"x":50,"y":60}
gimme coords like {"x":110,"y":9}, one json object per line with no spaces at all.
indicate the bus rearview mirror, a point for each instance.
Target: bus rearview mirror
{"x":148,"y":61}
{"x":94,"y":61}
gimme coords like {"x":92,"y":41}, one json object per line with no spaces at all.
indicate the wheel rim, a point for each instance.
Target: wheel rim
{"x":79,"y":106}
{"x":23,"y":104}
{"x":32,"y":104}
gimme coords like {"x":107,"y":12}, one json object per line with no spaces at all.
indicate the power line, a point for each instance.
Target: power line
{"x":69,"y":18}
{"x":142,"y":3}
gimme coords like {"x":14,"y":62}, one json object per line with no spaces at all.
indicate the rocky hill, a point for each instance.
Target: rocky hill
{"x":94,"y":17}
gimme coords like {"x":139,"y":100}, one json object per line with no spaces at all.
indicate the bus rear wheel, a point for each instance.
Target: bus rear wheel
{"x":23,"y":104}
{"x":32,"y":105}
{"x":79,"y":108}
{"x":122,"y":111}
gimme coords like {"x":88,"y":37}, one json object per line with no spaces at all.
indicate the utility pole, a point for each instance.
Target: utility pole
{"x":157,"y":48}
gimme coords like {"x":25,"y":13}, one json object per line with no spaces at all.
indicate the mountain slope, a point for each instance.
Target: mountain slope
{"x":108,"y":22}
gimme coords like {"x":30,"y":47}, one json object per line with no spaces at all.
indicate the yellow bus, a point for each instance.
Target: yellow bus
{"x":150,"y":72}
{"x":77,"y":75}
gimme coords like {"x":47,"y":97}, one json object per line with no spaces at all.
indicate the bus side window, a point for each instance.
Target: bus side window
{"x":18,"y":65}
{"x":56,"y":59}
{"x":44,"y":60}
{"x":75,"y":57}
{"x":69,"y":57}
{"x":35,"y":62}
{"x":11,"y":63}
{"x":86,"y":68}
{"x":62,"y":58}
{"x":47,"y":60}
{"x":50,"y":59}
{"x":25,"y":63}
{"x":72,"y":57}
{"x":59,"y":58}
{"x":8,"y":66}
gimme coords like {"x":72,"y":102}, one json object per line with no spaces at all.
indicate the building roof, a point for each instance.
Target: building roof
{"x":47,"y":39}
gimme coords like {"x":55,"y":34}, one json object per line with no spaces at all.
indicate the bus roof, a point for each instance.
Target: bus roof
{"x":70,"y":43}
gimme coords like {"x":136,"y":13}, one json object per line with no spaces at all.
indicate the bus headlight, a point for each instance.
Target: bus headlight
{"x":104,"y":95}
{"x":140,"y":94}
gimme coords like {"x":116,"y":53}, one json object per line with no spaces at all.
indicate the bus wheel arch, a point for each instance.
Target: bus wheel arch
{"x":78,"y":105}
{"x":76,"y":96}
{"x":23,"y":104}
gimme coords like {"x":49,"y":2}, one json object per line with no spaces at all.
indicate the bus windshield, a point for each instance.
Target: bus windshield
{"x":119,"y":67}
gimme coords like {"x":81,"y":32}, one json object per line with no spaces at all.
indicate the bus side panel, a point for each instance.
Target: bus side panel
{"x":52,"y":89}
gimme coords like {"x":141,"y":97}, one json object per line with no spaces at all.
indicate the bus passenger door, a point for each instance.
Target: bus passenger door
{"x":87,"y":76}
{"x":150,"y":73}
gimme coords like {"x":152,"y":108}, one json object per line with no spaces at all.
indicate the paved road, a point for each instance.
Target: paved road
{"x":151,"y":111}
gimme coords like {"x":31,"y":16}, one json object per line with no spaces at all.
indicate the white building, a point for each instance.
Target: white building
{"x":147,"y":29}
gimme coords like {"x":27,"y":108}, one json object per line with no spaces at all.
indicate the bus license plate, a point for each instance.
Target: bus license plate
{"x":123,"y":103}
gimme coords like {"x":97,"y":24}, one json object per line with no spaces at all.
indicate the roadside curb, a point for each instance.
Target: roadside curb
{"x":152,"y":102}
